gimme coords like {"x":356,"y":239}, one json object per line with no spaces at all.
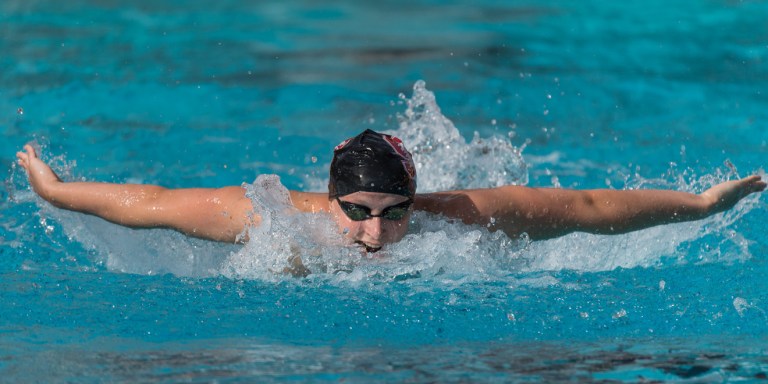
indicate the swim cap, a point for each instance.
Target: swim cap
{"x":372,"y":162}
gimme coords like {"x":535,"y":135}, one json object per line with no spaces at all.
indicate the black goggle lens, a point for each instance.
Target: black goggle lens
{"x":357,"y":212}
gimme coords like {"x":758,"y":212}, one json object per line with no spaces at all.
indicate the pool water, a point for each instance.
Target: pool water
{"x":590,"y":94}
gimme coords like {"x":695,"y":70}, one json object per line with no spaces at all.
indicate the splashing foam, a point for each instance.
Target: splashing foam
{"x":286,"y":236}
{"x":145,"y":251}
{"x":290,"y":243}
{"x":452,"y":252}
{"x":434,"y":247}
{"x":444,"y":160}
{"x":703,"y":241}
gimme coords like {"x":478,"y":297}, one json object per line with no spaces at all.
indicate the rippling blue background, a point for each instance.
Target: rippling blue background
{"x":209,"y":94}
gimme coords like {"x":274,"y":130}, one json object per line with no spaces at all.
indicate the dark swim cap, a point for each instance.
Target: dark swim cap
{"x":372,"y":162}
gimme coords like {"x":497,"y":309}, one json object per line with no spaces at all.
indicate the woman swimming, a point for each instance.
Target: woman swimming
{"x":372,"y":193}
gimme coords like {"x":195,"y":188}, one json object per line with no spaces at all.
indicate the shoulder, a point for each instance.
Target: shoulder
{"x":473,"y":205}
{"x":461,"y":199}
{"x":310,"y":201}
{"x":303,"y":201}
{"x":461,"y":204}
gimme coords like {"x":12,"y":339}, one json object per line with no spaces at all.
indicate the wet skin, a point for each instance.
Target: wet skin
{"x":374,"y":232}
{"x":222,"y":214}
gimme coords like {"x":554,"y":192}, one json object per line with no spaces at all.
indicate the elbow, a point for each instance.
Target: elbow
{"x":592,"y":213}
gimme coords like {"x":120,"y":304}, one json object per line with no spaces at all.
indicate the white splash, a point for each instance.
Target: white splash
{"x":444,"y":160}
{"x":289,"y":243}
{"x":741,"y":305}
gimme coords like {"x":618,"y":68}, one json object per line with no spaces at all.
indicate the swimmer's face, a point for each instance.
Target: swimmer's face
{"x":373,"y":232}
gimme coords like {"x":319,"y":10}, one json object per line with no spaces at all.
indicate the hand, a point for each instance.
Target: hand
{"x":725,"y":195}
{"x":41,"y":176}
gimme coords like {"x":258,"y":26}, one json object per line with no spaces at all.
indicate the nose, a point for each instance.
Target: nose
{"x":374,"y":228}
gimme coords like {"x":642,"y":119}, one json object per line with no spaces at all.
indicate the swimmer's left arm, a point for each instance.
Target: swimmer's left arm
{"x":551,"y":212}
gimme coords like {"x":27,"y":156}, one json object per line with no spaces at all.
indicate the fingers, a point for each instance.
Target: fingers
{"x":759,"y":186}
{"x":754,"y":183}
{"x":725,"y":195}
{"x":25,"y":158}
{"x":30,"y":150}
{"x":748,"y":185}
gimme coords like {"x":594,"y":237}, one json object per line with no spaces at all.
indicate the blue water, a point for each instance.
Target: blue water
{"x":185,"y":94}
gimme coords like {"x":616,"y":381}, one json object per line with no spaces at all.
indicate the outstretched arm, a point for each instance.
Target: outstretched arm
{"x":216,"y":214}
{"x":551,"y":212}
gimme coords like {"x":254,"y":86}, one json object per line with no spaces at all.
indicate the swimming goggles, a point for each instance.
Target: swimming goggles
{"x":357,"y":212}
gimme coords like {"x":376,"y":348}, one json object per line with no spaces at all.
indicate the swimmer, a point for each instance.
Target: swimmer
{"x":372,"y":194}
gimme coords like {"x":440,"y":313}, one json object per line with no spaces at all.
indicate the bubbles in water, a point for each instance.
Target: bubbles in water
{"x":48,"y":228}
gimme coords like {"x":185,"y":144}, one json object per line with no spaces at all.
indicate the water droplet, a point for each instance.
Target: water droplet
{"x":740,"y":304}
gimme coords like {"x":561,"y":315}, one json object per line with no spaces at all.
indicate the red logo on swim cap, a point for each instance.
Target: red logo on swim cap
{"x":343,"y":144}
{"x":410,"y":168}
{"x":399,"y":147}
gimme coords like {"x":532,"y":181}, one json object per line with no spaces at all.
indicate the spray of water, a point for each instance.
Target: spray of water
{"x":434,"y":247}
{"x":110,"y":246}
{"x":288,"y":243}
{"x":444,"y":160}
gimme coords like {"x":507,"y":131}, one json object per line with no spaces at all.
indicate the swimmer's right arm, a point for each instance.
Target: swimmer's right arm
{"x":219,"y":214}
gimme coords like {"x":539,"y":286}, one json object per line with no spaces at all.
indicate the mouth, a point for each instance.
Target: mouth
{"x":368,"y":248}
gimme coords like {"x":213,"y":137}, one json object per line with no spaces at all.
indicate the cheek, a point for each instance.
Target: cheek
{"x":347,"y":227}
{"x":342,"y":221}
{"x":398,"y":229}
